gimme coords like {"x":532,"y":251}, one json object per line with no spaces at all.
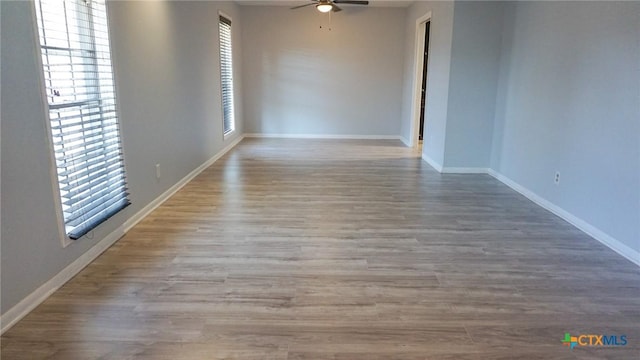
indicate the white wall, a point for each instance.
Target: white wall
{"x":569,"y":101}
{"x":300,"y":79}
{"x":167,"y":77}
{"x":441,"y":33}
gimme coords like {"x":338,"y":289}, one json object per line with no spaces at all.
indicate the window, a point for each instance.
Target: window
{"x":226,"y":75}
{"x":79,"y":87}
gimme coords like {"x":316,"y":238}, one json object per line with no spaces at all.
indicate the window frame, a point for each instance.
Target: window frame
{"x":64,"y":237}
{"x":226,"y":135}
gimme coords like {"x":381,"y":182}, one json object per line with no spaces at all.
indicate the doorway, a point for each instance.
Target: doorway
{"x":423,"y":89}
{"x":420,"y":101}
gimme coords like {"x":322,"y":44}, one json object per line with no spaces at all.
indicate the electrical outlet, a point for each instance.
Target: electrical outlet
{"x":157,"y":171}
{"x":556,"y":179}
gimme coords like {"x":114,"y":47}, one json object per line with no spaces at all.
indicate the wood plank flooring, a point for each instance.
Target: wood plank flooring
{"x":336,"y":249}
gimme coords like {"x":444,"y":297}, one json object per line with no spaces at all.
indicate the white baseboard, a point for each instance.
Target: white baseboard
{"x":434,"y":164}
{"x":453,"y":170}
{"x":145,"y":211}
{"x":604,"y":238}
{"x":464,"y":170}
{"x":17,"y":312}
{"x":24,"y":307}
{"x":324,"y":136}
{"x":405,"y":141}
{"x":607,"y":240}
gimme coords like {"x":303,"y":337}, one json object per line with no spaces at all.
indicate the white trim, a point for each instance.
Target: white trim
{"x":145,"y":211}
{"x":233,"y":77}
{"x":62,"y":233}
{"x":20,"y":310}
{"x":604,"y":238}
{"x":228,"y":135}
{"x":607,"y":240}
{"x":116,"y":88}
{"x":434,"y":164}
{"x":53,"y":171}
{"x":323,"y":136}
{"x":224,"y":14}
{"x":26,"y":305}
{"x":405,"y":141}
{"x":417,"y":78}
{"x":464,"y":170}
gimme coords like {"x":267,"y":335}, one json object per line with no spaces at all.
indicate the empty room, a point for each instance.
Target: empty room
{"x":320,"y":179}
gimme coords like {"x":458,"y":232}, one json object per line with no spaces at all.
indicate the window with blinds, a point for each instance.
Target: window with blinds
{"x":226,"y":75}
{"x":79,"y":88}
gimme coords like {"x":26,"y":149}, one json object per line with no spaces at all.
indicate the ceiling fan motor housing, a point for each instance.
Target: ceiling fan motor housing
{"x":330,"y":5}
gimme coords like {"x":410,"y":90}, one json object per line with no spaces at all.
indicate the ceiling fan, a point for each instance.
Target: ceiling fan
{"x":330,"y":5}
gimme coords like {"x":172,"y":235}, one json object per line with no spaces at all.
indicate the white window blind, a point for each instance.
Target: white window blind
{"x":226,"y":75}
{"x":79,"y":86}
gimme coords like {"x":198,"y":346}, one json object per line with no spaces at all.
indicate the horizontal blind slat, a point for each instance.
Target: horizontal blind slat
{"x":91,"y":223}
{"x":66,"y":159}
{"x":88,"y":145}
{"x":86,"y":167}
{"x":80,"y":209}
{"x":226,"y":73}
{"x":78,"y":186}
{"x":113,"y":184}
{"x":79,"y":83}
{"x":78,"y":219}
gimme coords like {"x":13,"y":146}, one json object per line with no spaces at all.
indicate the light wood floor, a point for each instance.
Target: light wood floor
{"x":332,"y":249}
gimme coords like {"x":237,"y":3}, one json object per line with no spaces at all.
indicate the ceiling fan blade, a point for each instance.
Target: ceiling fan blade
{"x":301,"y":6}
{"x":335,"y":8}
{"x":352,"y":2}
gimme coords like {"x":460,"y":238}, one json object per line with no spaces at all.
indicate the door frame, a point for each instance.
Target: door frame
{"x":417,"y":77}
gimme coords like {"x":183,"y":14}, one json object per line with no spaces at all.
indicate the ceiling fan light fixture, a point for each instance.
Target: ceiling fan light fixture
{"x":324,"y":8}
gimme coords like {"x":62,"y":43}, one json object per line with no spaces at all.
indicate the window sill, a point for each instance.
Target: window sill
{"x":229,"y":134}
